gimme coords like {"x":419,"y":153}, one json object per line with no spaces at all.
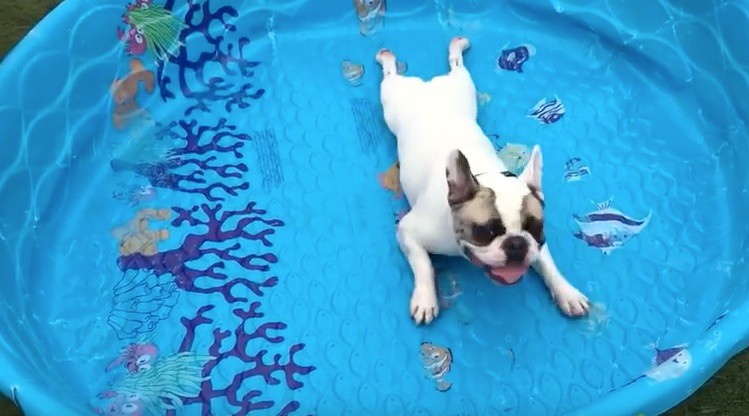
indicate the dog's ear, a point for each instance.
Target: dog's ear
{"x":531,"y":174}
{"x":461,"y":184}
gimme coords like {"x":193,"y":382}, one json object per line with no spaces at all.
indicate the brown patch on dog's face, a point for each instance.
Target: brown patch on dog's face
{"x":477,"y":220}
{"x":474,"y":213}
{"x":532,"y":213}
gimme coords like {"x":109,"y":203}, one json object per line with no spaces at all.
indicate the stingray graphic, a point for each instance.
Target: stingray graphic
{"x":607,"y":228}
{"x":668,"y":364}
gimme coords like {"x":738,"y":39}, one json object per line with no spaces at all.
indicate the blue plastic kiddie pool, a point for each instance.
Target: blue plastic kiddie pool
{"x":200,"y":199}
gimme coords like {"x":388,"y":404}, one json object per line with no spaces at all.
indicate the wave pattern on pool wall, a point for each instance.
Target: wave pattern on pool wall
{"x":228,"y":331}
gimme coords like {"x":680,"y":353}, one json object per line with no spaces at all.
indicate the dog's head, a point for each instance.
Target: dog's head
{"x":499,"y":220}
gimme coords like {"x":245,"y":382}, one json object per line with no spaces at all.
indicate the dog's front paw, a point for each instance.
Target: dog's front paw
{"x":424,"y":307}
{"x":570,"y":301}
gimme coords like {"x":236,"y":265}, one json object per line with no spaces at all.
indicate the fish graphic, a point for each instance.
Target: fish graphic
{"x":353,"y":72}
{"x":513,"y":59}
{"x":370,"y":14}
{"x":607,"y":228}
{"x":668,"y":364}
{"x":136,"y":194}
{"x":514,"y":156}
{"x":447,"y":287}
{"x":548,"y":111}
{"x":575,"y":170}
{"x":390,"y":180}
{"x":448,"y":290}
{"x":437,"y":362}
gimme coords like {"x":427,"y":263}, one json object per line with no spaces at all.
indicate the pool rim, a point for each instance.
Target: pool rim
{"x":641,"y":397}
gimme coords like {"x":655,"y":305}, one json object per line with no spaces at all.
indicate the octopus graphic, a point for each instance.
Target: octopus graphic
{"x":135,"y":357}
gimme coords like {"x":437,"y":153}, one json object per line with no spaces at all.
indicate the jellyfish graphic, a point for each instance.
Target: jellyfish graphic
{"x":154,"y":389}
{"x":141,"y":300}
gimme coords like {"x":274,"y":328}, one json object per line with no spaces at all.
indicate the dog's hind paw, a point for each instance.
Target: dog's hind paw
{"x":424,"y":306}
{"x":570,"y":301}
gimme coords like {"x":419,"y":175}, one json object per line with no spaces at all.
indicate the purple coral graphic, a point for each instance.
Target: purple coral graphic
{"x":175,"y":261}
{"x":209,"y":167}
{"x":197,"y":245}
{"x":198,"y":20}
{"x":257,"y":364}
{"x":163,"y":175}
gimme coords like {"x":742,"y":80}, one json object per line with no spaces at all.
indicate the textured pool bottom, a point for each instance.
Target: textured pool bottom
{"x":277,"y":274}
{"x":335,"y":290}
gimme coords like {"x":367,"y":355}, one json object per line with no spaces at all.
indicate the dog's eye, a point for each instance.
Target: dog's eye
{"x":484,"y":234}
{"x":535,"y":227}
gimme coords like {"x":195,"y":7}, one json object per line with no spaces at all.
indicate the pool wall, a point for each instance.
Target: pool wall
{"x":57,"y":112}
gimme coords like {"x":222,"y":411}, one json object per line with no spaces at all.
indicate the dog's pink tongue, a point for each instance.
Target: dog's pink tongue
{"x":508,"y":274}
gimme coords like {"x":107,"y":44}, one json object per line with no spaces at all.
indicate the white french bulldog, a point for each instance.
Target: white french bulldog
{"x":463,"y":200}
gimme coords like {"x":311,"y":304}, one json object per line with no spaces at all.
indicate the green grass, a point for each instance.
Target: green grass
{"x":726,"y":394}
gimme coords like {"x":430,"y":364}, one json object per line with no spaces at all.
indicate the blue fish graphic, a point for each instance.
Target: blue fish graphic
{"x":548,"y":111}
{"x":575,"y":170}
{"x":607,"y":228}
{"x":513,"y":59}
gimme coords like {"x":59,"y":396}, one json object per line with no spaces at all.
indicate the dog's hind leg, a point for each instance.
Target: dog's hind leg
{"x":387,"y":60}
{"x":423,"y":306}
{"x":458,"y":45}
{"x":457,"y":88}
{"x":401,"y":96}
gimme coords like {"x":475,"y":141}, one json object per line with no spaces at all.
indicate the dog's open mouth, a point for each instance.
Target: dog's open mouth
{"x":506,"y":275}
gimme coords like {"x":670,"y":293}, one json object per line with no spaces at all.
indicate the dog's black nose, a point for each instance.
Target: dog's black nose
{"x":516,"y":248}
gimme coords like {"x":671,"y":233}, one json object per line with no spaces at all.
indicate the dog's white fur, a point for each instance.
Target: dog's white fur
{"x":432,"y":120}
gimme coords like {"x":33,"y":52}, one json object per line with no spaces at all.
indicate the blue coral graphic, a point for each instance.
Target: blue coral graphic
{"x":141,"y":299}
